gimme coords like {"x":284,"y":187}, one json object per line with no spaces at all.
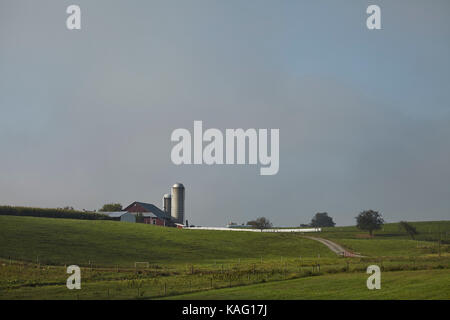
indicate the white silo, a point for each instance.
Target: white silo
{"x":177,"y":209}
{"x":167,"y":203}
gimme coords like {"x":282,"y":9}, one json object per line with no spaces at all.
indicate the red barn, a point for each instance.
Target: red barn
{"x":151,"y":213}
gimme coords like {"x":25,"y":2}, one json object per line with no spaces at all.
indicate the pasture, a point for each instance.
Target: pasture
{"x":201,"y":264}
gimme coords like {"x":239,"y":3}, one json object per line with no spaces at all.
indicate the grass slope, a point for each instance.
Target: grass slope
{"x":394,"y":285}
{"x":393,"y":241}
{"x":428,"y":231}
{"x":214,"y":264}
{"x":109,"y":243}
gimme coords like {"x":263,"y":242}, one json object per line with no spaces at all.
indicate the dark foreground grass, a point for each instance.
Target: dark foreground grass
{"x":433,"y":284}
{"x":31,"y":281}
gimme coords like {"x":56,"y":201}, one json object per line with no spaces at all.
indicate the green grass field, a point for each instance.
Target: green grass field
{"x":215,"y":264}
{"x":428,"y":231}
{"x":393,"y":241}
{"x":109,"y":243}
{"x":395,"y":285}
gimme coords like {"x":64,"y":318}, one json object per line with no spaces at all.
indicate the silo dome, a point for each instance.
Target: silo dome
{"x":178,"y":185}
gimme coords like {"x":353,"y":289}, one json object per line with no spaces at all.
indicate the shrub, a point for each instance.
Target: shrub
{"x":51,"y":213}
{"x":369,"y":220}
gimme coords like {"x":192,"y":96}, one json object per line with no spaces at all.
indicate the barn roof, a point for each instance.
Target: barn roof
{"x":151,"y":210}
{"x":114,"y":214}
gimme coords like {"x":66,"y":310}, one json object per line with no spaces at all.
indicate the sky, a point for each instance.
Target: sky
{"x":364,"y":115}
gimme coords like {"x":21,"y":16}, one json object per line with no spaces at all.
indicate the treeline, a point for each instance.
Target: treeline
{"x":51,"y":213}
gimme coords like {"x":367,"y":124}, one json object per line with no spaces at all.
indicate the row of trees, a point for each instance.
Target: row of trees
{"x":111,"y":207}
{"x":67,"y":213}
{"x":368,"y":220}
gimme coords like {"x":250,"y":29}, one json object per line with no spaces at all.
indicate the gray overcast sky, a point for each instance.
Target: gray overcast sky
{"x":364,"y":116}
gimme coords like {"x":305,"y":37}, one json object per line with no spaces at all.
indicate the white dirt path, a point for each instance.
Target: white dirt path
{"x":336,"y":248}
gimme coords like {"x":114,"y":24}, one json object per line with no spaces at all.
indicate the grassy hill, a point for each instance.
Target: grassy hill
{"x":392,"y":240}
{"x":395,"y":285}
{"x":428,"y":231}
{"x":201,"y":264}
{"x":109,"y":243}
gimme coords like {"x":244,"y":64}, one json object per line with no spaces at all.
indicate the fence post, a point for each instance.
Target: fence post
{"x":439,"y":243}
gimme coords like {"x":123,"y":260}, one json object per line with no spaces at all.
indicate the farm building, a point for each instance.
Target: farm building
{"x":123,"y":216}
{"x":172,"y":214}
{"x":151,"y":214}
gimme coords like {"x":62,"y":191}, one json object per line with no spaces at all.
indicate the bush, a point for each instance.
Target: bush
{"x":51,"y":213}
{"x":369,"y":220}
{"x":111,"y":207}
{"x":260,"y":223}
{"x":322,"y":220}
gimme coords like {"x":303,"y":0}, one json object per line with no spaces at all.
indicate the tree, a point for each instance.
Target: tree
{"x":410,"y":229}
{"x":111,"y":207}
{"x":321,"y":219}
{"x":369,"y":220}
{"x":260,"y":223}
